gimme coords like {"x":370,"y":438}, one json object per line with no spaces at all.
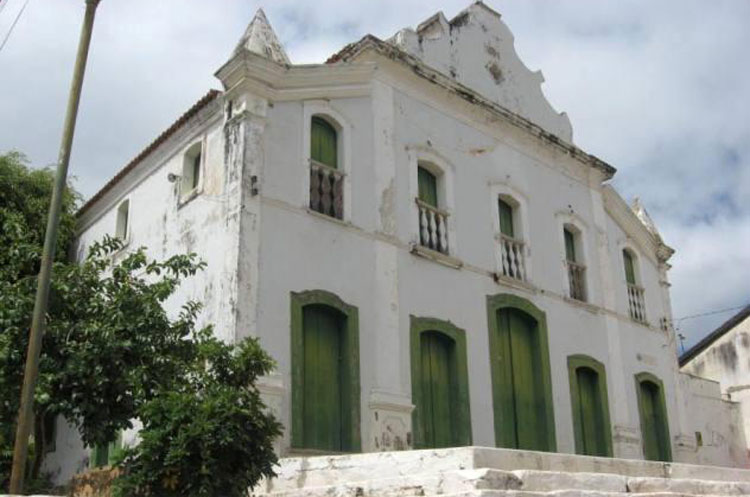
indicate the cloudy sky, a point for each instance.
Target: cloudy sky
{"x":661,"y":90}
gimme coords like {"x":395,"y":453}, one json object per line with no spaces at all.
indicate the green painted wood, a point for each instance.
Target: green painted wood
{"x":627,"y":259}
{"x":589,"y":403}
{"x":570,"y":245}
{"x":438,"y":392}
{"x":521,"y":383}
{"x":591,"y":423}
{"x":653,"y":413}
{"x":323,"y":142}
{"x":350,"y":402}
{"x":528,"y":399}
{"x":427,"y":183}
{"x":322,"y":379}
{"x":440,"y":384}
{"x":506,"y":217}
{"x":196,"y":171}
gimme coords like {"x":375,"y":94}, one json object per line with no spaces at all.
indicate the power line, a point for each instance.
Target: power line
{"x":709,"y":313}
{"x":12,"y":26}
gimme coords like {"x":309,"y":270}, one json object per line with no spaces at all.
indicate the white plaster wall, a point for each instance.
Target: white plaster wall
{"x":727,"y":361}
{"x":167,"y":226}
{"x":366,"y":260}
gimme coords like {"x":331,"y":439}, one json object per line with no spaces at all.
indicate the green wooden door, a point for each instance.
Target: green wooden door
{"x":590,"y":408}
{"x":427,"y":183}
{"x":323,"y":142}
{"x":437,"y":394}
{"x":653,"y":423}
{"x":527,"y":395}
{"x":322,"y":406}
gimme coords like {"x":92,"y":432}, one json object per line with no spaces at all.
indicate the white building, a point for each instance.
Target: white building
{"x":415,"y":238}
{"x":723,"y":356}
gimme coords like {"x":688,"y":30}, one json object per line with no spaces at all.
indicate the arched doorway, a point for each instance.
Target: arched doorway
{"x":653,"y":414}
{"x":519,"y":360}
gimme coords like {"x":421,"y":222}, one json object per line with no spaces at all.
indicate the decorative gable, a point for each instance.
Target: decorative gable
{"x":476,"y":49}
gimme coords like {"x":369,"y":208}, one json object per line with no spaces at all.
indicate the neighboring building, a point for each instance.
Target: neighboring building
{"x":413,"y":236}
{"x":723,"y":356}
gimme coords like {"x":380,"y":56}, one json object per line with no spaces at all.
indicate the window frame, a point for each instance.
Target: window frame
{"x":326,"y":110}
{"x":189,"y":166}
{"x":518,"y":201}
{"x":122,"y":233}
{"x":352,"y":429}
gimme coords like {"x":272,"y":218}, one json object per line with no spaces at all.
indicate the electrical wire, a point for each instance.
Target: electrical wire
{"x":709,"y":313}
{"x":12,"y":26}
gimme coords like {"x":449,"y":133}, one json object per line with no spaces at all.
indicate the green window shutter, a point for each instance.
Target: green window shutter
{"x":427,"y":187}
{"x":99,"y":456}
{"x":570,"y":245}
{"x":506,"y":218}
{"x":323,"y":142}
{"x":629,"y":267}
{"x":322,"y":398}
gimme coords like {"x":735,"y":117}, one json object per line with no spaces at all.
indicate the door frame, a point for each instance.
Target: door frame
{"x":419,"y":325}
{"x":578,"y":361}
{"x":350,"y":395}
{"x":666,"y":440}
{"x":502,"y":383}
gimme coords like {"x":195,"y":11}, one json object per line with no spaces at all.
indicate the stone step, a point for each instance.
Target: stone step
{"x":326,"y":470}
{"x":527,"y":482}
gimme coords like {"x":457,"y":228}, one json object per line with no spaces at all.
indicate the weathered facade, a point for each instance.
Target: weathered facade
{"x":723,"y":357}
{"x":412,"y":234}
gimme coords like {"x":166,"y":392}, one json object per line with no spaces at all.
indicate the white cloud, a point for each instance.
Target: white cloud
{"x":661,"y":90}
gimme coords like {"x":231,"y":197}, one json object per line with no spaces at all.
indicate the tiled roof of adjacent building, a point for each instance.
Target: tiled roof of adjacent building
{"x":727,"y":326}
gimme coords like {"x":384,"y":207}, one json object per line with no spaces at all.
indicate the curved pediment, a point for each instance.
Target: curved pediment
{"x":476,"y":49}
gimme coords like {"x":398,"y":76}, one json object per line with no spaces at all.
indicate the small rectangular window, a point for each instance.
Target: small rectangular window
{"x":123,"y":219}
{"x":570,"y":245}
{"x":191,"y":168}
{"x":629,"y":267}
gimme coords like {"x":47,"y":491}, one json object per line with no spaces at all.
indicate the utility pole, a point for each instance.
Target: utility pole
{"x":25,"y":412}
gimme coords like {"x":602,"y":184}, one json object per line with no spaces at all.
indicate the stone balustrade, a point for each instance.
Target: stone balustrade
{"x":577,"y":280}
{"x":433,"y":227}
{"x":326,"y":190}
{"x":637,"y":303}
{"x":512,"y":259}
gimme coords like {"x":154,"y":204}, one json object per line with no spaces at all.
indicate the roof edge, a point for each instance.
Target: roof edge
{"x":166,"y":134}
{"x":719,"y":332}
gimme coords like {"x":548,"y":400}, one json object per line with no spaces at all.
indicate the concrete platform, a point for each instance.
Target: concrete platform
{"x":489,"y":472}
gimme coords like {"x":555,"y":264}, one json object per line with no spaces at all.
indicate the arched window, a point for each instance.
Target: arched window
{"x":326,"y":177}
{"x":325,"y":373}
{"x":588,"y":398}
{"x":653,"y":414}
{"x":521,"y":384}
{"x":574,"y":262}
{"x":512,"y":253}
{"x":636,"y":298}
{"x":440,"y":384}
{"x":433,"y":218}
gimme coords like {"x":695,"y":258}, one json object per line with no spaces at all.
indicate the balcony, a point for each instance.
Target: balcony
{"x":636,"y":303}
{"x":577,"y":280}
{"x":326,"y":190}
{"x":512,"y":259}
{"x":433,"y":227}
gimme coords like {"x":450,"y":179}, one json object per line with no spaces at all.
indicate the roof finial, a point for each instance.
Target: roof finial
{"x":259,"y":38}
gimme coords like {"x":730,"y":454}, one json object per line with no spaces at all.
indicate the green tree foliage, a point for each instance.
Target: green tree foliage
{"x":112,"y":353}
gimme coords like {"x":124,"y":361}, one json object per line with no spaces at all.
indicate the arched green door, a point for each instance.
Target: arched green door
{"x":654,"y":427}
{"x":438,"y":389}
{"x":322,"y":389}
{"x":526,"y":394}
{"x":589,"y":406}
